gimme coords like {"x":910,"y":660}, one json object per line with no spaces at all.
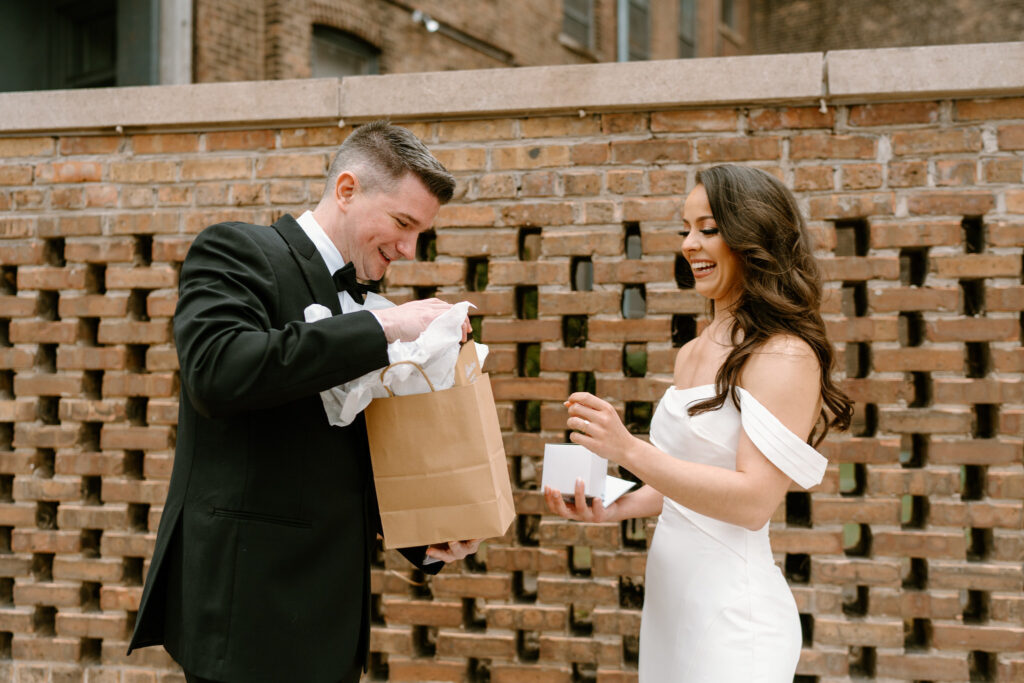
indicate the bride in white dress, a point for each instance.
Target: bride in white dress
{"x":750,"y":394}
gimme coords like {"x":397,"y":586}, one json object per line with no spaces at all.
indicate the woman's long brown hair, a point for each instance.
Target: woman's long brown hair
{"x":758,"y":218}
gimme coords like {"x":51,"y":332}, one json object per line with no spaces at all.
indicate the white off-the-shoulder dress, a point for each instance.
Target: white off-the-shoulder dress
{"x":716,"y":607}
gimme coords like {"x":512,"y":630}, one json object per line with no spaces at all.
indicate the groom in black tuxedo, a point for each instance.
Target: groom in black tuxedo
{"x":261,"y":570}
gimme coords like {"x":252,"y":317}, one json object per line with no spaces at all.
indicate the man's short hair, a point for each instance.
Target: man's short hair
{"x":380,"y":154}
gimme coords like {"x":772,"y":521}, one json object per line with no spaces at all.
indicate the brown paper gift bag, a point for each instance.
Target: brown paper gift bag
{"x":439,"y":461}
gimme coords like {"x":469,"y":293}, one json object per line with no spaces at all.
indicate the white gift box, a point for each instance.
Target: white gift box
{"x":564,"y":463}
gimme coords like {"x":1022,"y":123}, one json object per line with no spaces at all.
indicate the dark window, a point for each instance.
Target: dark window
{"x":639,"y":30}
{"x":338,"y":54}
{"x":687,"y":28}
{"x":578,"y":21}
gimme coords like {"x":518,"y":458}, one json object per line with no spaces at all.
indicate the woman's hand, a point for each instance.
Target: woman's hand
{"x":598,"y":428}
{"x":578,"y":510}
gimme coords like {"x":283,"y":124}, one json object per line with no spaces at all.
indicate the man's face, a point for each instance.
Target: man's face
{"x":381,"y":226}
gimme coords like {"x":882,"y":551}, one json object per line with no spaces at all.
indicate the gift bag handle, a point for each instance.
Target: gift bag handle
{"x":408,"y":362}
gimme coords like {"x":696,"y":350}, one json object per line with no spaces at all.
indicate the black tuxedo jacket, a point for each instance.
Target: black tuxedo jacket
{"x":261,"y":565}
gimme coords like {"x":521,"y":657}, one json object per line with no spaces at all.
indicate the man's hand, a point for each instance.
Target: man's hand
{"x":453,"y":550}
{"x":406,"y":322}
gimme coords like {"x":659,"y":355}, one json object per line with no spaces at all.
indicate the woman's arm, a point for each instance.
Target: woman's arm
{"x":783,"y":376}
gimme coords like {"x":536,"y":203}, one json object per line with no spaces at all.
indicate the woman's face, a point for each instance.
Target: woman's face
{"x":717,"y":270}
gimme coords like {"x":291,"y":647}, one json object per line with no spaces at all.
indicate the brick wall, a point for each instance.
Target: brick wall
{"x":906,"y":562}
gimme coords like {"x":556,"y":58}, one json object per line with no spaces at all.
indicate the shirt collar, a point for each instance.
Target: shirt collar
{"x":332,"y":257}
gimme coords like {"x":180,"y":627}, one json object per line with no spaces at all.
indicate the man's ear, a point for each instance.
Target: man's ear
{"x":345,"y":188}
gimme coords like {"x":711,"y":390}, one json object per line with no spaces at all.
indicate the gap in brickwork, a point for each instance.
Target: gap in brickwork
{"x":478,"y":670}
{"x":5,"y":537}
{"x":53,"y":252}
{"x":426,"y":246}
{"x":89,"y":436}
{"x":47,"y":408}
{"x":472,"y":616}
{"x":634,"y":241}
{"x":985,"y":424}
{"x":631,"y":650}
{"x":584,"y":672}
{"x":526,"y":302}
{"x":914,"y":573}
{"x":5,"y":342}
{"x":46,"y":359}
{"x":854,"y":299}
{"x":684,"y":329}
{"x":529,"y":243}
{"x":132,"y":571}
{"x":913,"y":267}
{"x":528,"y":646}
{"x":135,"y":358}
{"x":132,"y":464}
{"x":528,"y":359}
{"x":90,"y":596}
{"x":797,"y":567}
{"x":807,"y":629}
{"x":43,"y":621}
{"x":852,"y":478}
{"x":419,"y":587}
{"x":972,"y":482}
{"x":524,"y":584}
{"x":910,"y":329}
{"x":378,"y":667}
{"x":476,"y":323}
{"x":634,"y":533}
{"x":91,"y":651}
{"x":856,"y":540}
{"x":580,"y":560}
{"x":683,"y":273}
{"x":979,"y":544}
{"x":631,"y":592}
{"x":46,"y":305}
{"x":582,"y":270}
{"x":92,"y":490}
{"x":574,"y":331}
{"x":143,"y":250}
{"x":976,"y":607}
{"x":638,"y":416}
{"x":43,"y":463}
{"x":6,"y":590}
{"x":137,"y":309}
{"x":634,"y":302}
{"x":524,"y":472}
{"x":42,"y":567}
{"x":138,"y":516}
{"x":865,"y":419}
{"x":913,"y":450}
{"x":581,"y":621}
{"x":476,"y":274}
{"x":922,"y":383}
{"x":90,"y":540}
{"x":8,"y":280}
{"x":974,"y":234}
{"x":913,"y":511}
{"x":634,"y":360}
{"x":95,"y":278}
{"x":855,"y":600}
{"x":424,"y":640}
{"x":982,"y":666}
{"x":528,"y":531}
{"x":972,"y":297}
{"x":476,"y":563}
{"x":424,"y":292}
{"x":861,"y":661}
{"x":978,"y":360}
{"x":798,"y":509}
{"x":527,"y":416}
{"x":6,"y":638}
{"x":852,"y":237}
{"x":88,"y":334}
{"x":582,"y":381}
{"x":917,"y":634}
{"x":857,"y":356}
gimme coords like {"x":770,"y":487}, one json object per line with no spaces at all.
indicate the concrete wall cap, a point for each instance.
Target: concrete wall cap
{"x":628,"y":85}
{"x":920,"y":72}
{"x":199,"y":104}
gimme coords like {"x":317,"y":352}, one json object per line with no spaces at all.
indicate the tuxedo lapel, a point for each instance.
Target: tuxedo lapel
{"x":314,"y":270}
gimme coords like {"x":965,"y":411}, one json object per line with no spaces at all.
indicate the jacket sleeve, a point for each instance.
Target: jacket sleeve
{"x":233,"y":357}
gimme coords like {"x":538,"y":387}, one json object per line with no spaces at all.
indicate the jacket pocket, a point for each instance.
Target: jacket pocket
{"x":259,"y":517}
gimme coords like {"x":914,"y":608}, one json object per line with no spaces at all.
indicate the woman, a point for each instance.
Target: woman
{"x":726,"y":440}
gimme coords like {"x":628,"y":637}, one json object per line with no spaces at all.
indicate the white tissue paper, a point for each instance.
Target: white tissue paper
{"x":435,"y":351}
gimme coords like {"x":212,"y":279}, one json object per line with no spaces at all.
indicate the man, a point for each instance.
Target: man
{"x":261,"y":565}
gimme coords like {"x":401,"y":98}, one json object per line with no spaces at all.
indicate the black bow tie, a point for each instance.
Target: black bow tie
{"x":345,"y":281}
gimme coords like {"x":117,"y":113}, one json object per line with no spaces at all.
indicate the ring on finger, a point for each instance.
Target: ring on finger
{"x":586,"y":423}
